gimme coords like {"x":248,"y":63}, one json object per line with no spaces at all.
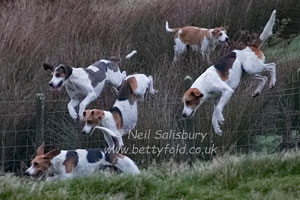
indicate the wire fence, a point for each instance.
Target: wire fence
{"x":266,"y":123}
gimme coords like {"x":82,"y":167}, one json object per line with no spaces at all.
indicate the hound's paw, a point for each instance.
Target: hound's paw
{"x":81,"y":117}
{"x":73,"y":114}
{"x":153,"y":92}
{"x":220,"y":118}
{"x":272,"y":83}
{"x":255,"y":93}
{"x":221,"y":121}
{"x":218,"y":131}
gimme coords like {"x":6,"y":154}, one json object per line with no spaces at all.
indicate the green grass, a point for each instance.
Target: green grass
{"x":256,"y":177}
{"x":285,"y":50}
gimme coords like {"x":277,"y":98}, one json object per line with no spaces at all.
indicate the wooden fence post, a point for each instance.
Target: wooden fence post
{"x":189,"y":125}
{"x":40,"y":109}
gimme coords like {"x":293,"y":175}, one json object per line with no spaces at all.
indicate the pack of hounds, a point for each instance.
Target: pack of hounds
{"x":84,"y":85}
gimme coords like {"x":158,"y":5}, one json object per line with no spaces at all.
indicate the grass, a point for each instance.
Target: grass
{"x":275,"y":176}
{"x":286,"y":50}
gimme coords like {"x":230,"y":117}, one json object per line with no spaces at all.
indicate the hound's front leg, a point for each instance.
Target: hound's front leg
{"x":71,"y":107}
{"x":152,"y":91}
{"x":86,"y":101}
{"x":215,"y":123}
{"x":217,"y":115}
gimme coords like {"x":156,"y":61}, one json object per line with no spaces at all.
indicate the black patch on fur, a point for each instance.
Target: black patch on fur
{"x":64,"y":69}
{"x":99,"y":76}
{"x":116,"y":110}
{"x":125,"y":91}
{"x":72,"y":156}
{"x":110,"y":157}
{"x":48,"y":66}
{"x":94,"y":155}
{"x":225,"y":63}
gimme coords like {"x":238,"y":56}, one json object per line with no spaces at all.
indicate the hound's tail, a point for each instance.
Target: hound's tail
{"x":172,"y":30}
{"x":107,"y":131}
{"x":118,"y":59}
{"x":131,"y":54}
{"x":267,"y":32}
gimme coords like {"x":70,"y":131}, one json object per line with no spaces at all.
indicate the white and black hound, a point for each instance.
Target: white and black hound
{"x":218,"y":82}
{"x":199,"y":39}
{"x":58,"y":165}
{"x":124,"y":114}
{"x":84,"y":85}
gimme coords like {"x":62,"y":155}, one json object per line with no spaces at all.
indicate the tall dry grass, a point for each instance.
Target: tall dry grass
{"x":79,"y":32}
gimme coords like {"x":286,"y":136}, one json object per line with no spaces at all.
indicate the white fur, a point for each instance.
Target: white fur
{"x":267,"y":32}
{"x":219,"y":92}
{"x":83,"y":168}
{"x":131,"y":54}
{"x":207,"y":46}
{"x":129,"y":112}
{"x":80,"y":89}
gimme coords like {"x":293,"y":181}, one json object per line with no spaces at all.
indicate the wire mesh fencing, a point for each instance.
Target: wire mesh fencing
{"x":269,"y":123}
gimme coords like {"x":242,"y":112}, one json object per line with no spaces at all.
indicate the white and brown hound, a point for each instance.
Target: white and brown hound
{"x":57,"y":164}
{"x":84,"y":85}
{"x":199,"y":39}
{"x":123,"y":116}
{"x":218,"y":82}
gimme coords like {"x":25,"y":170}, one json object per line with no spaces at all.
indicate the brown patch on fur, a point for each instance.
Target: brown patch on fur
{"x":113,"y":158}
{"x":41,"y":162}
{"x":93,"y":117}
{"x":118,"y":119}
{"x":193,"y":35}
{"x":216,"y":32}
{"x":40,"y":150}
{"x":224,"y":64}
{"x":257,"y":52}
{"x":192,"y":97}
{"x":127,"y":90}
{"x":71,"y":161}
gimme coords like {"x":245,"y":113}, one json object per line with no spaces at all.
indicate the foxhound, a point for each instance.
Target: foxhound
{"x":84,"y":85}
{"x":122,"y":117}
{"x":59,"y":165}
{"x":218,"y":82}
{"x":199,"y":39}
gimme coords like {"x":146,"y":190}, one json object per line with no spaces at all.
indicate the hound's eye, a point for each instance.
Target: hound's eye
{"x":187,"y":102}
{"x":57,"y":75}
{"x":89,"y":121}
{"x":221,"y":34}
{"x":35,"y":164}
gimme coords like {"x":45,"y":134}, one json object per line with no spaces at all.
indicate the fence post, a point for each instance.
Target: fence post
{"x":40,"y":108}
{"x":189,"y":125}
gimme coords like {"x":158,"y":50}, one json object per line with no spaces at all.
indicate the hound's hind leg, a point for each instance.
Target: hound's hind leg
{"x":263,"y":80}
{"x":271,"y":67}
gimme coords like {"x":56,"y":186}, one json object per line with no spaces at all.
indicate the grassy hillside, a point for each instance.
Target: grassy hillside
{"x":244,"y":177}
{"x":77,"y":33}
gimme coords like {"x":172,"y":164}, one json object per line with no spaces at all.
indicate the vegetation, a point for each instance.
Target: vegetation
{"x":275,"y":176}
{"x":80,"y":32}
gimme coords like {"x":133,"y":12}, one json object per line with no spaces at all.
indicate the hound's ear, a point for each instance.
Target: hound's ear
{"x":68,"y":71}
{"x":40,"y":150}
{"x":99,"y":114}
{"x":48,"y":66}
{"x":51,"y":154}
{"x":197,"y":93}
